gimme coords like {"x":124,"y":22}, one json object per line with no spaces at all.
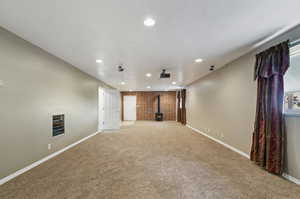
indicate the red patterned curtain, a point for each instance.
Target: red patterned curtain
{"x":269,"y":130}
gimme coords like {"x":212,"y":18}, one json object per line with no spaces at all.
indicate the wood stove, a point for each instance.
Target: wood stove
{"x":158,"y":114}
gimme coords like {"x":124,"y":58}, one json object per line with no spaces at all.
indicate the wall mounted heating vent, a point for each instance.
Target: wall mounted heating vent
{"x":58,"y":125}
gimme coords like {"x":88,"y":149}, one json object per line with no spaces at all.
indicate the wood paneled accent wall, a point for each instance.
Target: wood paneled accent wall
{"x":147,"y":104}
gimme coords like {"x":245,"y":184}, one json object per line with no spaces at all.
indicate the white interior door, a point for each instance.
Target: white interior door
{"x":112,"y":106}
{"x":100,"y":108}
{"x":116,"y":109}
{"x":129,"y":107}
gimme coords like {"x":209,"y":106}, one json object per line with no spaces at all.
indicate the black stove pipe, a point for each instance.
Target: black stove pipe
{"x":158,"y":114}
{"x":158,"y":103}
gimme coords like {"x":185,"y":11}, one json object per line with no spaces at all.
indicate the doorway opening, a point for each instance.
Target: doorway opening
{"x":129,"y":104}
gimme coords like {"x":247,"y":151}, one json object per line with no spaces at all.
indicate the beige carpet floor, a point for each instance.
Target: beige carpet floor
{"x":149,"y":160}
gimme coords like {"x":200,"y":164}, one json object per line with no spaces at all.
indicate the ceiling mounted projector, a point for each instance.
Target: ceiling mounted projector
{"x":120,"y":68}
{"x":163,"y":74}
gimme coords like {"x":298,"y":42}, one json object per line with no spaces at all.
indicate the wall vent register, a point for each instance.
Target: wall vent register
{"x":58,"y":125}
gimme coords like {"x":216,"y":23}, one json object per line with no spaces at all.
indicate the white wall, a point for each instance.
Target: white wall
{"x":224,"y":103}
{"x":36,"y":86}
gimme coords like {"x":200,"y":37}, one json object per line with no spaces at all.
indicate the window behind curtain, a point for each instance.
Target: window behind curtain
{"x":292,"y":83}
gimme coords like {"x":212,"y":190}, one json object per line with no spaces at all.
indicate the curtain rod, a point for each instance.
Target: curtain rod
{"x":275,"y":35}
{"x":294,"y":43}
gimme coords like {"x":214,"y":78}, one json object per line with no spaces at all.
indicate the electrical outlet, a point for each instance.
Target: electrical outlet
{"x":49,"y":146}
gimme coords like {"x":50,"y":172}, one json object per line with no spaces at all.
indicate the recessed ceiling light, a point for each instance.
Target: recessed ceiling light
{"x":148,"y":74}
{"x":123,"y":83}
{"x":199,"y":60}
{"x":99,"y":61}
{"x":149,"y":22}
{"x":173,"y":82}
{"x":148,"y":86}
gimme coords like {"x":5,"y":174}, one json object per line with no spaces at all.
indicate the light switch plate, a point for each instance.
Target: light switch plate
{"x":1,"y":83}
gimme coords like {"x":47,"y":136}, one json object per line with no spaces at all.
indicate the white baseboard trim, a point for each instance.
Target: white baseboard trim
{"x":284,"y":175}
{"x":220,"y":142}
{"x":291,"y":178}
{"x":27,"y":168}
